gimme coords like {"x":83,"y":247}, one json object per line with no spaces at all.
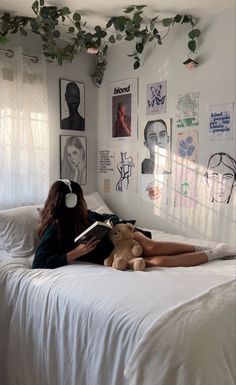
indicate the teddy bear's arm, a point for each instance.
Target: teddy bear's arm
{"x":109,"y":260}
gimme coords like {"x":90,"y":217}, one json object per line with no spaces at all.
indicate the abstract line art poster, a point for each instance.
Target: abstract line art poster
{"x":122,"y":111}
{"x":156,"y":98}
{"x":187,"y":145}
{"x":187,"y":110}
{"x":155,"y":189}
{"x":221,"y":121}
{"x":126,"y":176}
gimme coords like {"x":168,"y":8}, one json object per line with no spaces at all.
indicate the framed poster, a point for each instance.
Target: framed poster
{"x":122,"y":111}
{"x":73,"y":158}
{"x":72,"y":114}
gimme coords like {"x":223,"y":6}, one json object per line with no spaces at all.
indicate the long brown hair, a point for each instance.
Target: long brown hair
{"x":55,"y":211}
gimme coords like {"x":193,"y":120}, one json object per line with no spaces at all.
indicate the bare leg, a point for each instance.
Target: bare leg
{"x":156,"y":248}
{"x":169,"y":254}
{"x":186,"y":259}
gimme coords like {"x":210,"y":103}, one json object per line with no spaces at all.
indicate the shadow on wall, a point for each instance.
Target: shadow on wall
{"x":196,"y":200}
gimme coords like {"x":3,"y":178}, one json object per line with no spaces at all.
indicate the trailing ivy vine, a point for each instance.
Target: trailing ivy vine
{"x":133,"y":24}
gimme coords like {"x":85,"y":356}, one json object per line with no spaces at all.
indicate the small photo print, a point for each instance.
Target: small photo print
{"x":72,"y":114}
{"x":73,"y":158}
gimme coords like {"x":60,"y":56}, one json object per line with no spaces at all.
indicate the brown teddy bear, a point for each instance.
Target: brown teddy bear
{"x":126,"y":250}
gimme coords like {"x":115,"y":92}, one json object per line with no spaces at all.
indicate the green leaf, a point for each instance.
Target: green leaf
{"x":112,"y":39}
{"x":136,"y":65}
{"x":167,"y":22}
{"x":56,"y":33}
{"x":151,"y":38}
{"x":98,"y":28}
{"x":139,"y":47}
{"x":119,"y":37}
{"x":44,"y":12}
{"x":139,"y":7}
{"x":71,"y":30}
{"x":65,"y":11}
{"x":130,"y":27}
{"x":178,"y":18}
{"x":23,"y":31}
{"x":196,"y":32}
{"x":109,"y":23}
{"x":76,"y":16}
{"x":3,"y":39}
{"x":192,"y":45}
{"x":129,"y":9}
{"x":35,"y":7}
{"x":41,"y":3}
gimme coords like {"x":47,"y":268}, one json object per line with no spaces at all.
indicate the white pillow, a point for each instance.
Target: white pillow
{"x":96,"y":203}
{"x":19,"y":230}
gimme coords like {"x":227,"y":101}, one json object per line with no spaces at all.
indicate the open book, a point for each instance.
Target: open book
{"x":97,"y":229}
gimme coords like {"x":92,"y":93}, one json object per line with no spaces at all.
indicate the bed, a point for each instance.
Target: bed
{"x":90,"y":325}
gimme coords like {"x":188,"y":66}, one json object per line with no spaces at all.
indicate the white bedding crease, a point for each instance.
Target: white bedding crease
{"x":90,"y":325}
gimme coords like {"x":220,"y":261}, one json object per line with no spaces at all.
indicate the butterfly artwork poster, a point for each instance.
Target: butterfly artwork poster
{"x":156,"y":98}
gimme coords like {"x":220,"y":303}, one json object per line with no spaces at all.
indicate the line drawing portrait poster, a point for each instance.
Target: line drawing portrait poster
{"x":221,"y":121}
{"x":122,"y":111}
{"x":73,"y":158}
{"x":156,"y":98}
{"x":72,"y":101}
{"x":155,"y":189}
{"x":187,"y":145}
{"x":187,"y":110}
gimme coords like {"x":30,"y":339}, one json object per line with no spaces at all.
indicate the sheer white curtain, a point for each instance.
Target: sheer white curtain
{"x":24,"y":136}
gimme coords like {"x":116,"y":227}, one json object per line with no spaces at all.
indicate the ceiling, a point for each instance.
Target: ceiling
{"x":96,"y":12}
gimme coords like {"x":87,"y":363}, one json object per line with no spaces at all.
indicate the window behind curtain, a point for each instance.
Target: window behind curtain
{"x":24,"y":136}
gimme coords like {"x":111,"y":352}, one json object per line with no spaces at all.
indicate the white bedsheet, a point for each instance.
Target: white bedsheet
{"x":90,"y":325}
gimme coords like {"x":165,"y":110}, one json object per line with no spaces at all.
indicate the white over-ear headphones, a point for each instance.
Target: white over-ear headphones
{"x":71,"y":198}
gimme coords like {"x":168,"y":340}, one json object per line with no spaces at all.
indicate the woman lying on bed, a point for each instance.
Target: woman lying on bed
{"x":65,"y":215}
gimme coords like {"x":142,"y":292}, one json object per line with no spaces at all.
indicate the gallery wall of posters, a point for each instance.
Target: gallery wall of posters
{"x":122,"y":111}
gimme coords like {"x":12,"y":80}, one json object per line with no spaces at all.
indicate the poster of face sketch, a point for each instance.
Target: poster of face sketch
{"x":187,"y":110}
{"x":72,"y":105}
{"x":119,"y":169}
{"x":221,"y":121}
{"x":73,"y":158}
{"x":156,"y":98}
{"x":122,"y":111}
{"x":157,"y":142}
{"x":187,"y":145}
{"x":220,"y":177}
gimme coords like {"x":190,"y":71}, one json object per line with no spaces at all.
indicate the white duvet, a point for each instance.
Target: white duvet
{"x":91,"y":325}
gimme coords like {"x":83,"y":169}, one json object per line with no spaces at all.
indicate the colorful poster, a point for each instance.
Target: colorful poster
{"x":221,"y":121}
{"x":156,"y":98}
{"x":187,"y":110}
{"x":185,"y":186}
{"x":157,"y":141}
{"x":220,"y":177}
{"x":187,"y":145}
{"x":122,"y":111}
{"x":155,"y":189}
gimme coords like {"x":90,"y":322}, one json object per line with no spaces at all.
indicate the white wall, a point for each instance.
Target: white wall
{"x":79,"y":70}
{"x":214,"y":79}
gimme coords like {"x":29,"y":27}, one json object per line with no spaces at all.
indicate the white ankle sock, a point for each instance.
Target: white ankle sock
{"x":220,"y":251}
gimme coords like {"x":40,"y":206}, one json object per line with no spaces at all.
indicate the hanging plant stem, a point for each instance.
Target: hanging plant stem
{"x":133,"y":24}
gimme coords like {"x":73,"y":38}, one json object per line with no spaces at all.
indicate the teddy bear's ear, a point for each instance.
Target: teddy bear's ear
{"x":130,"y":227}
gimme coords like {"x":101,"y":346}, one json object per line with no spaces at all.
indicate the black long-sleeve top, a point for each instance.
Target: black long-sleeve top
{"x":51,"y":252}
